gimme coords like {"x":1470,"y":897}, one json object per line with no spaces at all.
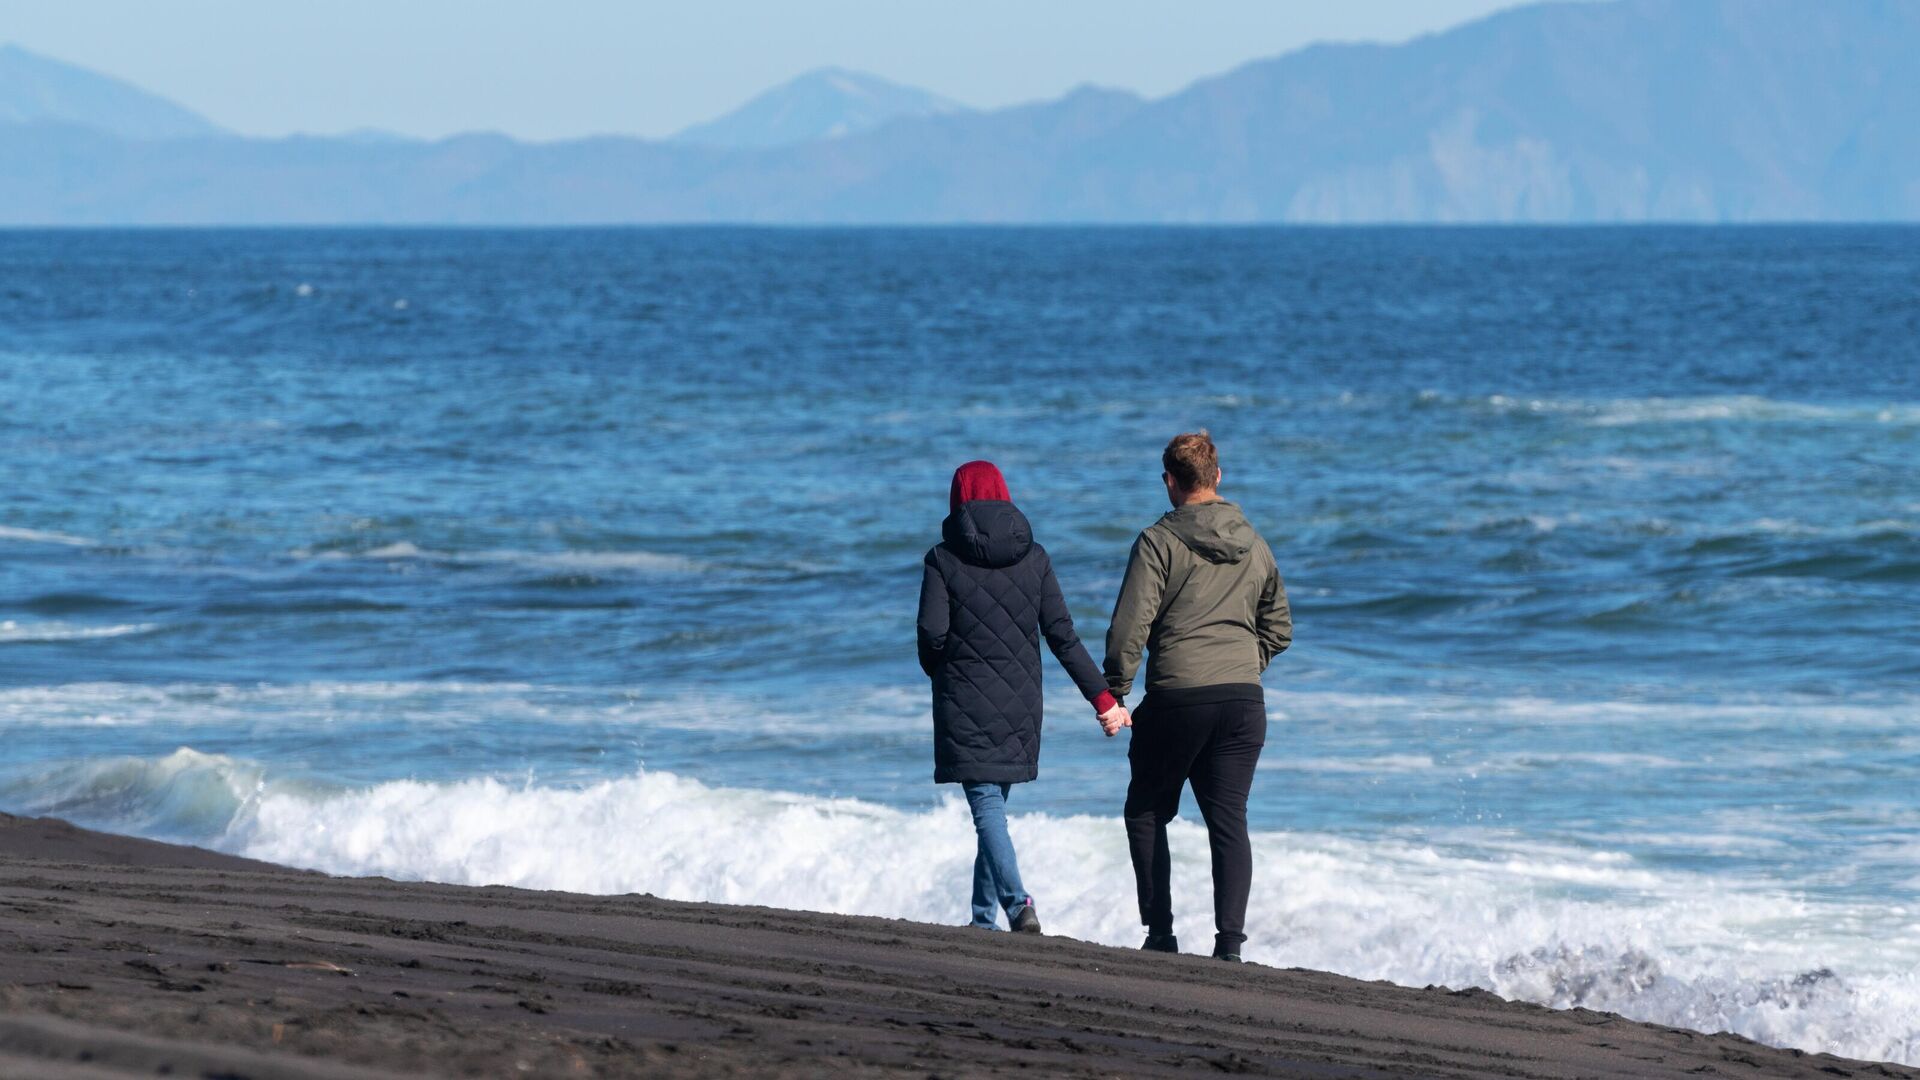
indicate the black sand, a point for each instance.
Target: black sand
{"x":121,"y":957}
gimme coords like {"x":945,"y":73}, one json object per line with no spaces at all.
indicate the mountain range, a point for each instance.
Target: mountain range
{"x":38,"y":90}
{"x":1608,"y":111}
{"x":824,"y":104}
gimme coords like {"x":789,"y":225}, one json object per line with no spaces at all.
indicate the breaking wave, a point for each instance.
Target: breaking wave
{"x":42,"y":536}
{"x":1551,"y":924}
{"x":13,"y":632}
{"x":560,"y":561}
{"x":1625,"y":412}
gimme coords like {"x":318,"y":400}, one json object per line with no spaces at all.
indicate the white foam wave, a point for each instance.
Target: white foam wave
{"x":1365,"y":721}
{"x":1555,"y":925}
{"x":1745,"y":408}
{"x":1558,"y":925}
{"x":38,"y":536}
{"x":1856,"y":530}
{"x":1383,"y":763}
{"x":196,"y":705}
{"x":647,"y":561}
{"x":185,"y":795}
{"x":17,"y":632}
{"x":587,"y":562}
{"x":93,"y":693}
{"x":1539,"y":759}
{"x":1734,"y":408}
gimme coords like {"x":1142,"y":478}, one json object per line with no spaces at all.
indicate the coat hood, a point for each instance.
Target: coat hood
{"x":988,"y":532}
{"x":1216,"y":531}
{"x":977,"y":480}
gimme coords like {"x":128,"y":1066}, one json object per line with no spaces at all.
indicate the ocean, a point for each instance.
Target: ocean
{"x":588,"y":560}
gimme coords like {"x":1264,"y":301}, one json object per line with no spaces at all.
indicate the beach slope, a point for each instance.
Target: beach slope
{"x":122,"y":957}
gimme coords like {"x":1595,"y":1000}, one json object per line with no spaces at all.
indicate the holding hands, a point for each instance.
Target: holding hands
{"x":1114,"y":719}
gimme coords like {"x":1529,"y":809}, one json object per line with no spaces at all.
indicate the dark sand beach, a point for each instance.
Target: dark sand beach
{"x":122,"y":957}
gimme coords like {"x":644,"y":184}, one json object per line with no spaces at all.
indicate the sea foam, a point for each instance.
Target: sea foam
{"x":13,"y":631}
{"x":42,"y":536}
{"x":1555,"y":925}
{"x":565,"y":561}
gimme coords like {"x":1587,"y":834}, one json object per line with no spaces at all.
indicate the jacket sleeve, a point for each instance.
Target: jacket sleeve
{"x":1133,"y":614}
{"x":1274,"y":620}
{"x":935,"y":615}
{"x":1056,"y":622}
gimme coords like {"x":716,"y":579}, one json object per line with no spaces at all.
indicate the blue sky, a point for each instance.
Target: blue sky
{"x":562,"y":68}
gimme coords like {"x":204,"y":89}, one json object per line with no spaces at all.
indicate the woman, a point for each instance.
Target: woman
{"x":987,"y":593}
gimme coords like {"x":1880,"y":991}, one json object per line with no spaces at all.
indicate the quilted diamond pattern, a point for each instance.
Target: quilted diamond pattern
{"x":987,"y":713}
{"x":1000,"y":599}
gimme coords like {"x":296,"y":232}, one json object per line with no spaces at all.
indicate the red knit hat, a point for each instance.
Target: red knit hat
{"x":977,"y":480}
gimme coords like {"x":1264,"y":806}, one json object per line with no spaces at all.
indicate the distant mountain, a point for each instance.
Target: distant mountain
{"x":367,"y":136}
{"x":38,"y":90}
{"x":1630,"y":110}
{"x":823,"y":104}
{"x":1690,"y":110}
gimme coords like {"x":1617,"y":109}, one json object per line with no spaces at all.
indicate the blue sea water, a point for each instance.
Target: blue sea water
{"x":587,"y":560}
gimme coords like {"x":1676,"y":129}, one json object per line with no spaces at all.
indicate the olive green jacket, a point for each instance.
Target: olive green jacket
{"x":1203,"y":598}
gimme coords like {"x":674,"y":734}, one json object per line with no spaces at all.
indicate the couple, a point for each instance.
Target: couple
{"x":1204,"y":600}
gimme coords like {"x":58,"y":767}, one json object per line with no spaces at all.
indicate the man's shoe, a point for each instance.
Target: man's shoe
{"x":1229,"y":957}
{"x":1162,"y":943}
{"x":1026,"y":920}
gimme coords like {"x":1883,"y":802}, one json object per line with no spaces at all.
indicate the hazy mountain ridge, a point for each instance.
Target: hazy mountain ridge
{"x":1634,"y":110}
{"x":35,"y":89}
{"x":825,"y":104}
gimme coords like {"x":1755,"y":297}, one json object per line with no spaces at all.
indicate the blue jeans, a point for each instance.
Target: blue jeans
{"x":996,"y":874}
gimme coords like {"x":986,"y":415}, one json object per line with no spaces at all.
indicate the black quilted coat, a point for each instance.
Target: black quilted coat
{"x":986,"y":596}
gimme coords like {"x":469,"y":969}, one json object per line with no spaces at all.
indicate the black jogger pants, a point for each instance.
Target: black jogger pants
{"x":1210,"y":737}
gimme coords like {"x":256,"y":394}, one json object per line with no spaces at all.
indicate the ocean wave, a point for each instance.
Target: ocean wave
{"x":1368,"y":766}
{"x":1879,"y":528}
{"x":185,"y":796}
{"x":91,"y":693}
{"x":1560,"y":926}
{"x":1758,"y":711}
{"x":1511,"y":761}
{"x":1876,"y":550}
{"x":39,"y":536}
{"x":190,"y":706}
{"x":12,"y":632}
{"x":583,"y":562}
{"x":562,"y":561}
{"x":195,"y":706}
{"x":1744,"y":408}
{"x":1627,"y":412}
{"x":892,"y":708}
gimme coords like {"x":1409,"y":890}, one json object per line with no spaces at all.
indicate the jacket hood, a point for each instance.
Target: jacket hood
{"x":1216,"y":531}
{"x":977,"y":480}
{"x":988,"y":532}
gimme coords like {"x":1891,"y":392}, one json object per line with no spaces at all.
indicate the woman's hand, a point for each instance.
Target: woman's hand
{"x":1114,"y":719}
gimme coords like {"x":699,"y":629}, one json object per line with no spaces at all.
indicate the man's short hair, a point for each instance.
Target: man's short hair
{"x":1192,"y":461}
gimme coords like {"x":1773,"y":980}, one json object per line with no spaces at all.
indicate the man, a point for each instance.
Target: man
{"x":1203,"y":598}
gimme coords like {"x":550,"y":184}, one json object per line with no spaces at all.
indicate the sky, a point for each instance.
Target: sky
{"x":547,"y":69}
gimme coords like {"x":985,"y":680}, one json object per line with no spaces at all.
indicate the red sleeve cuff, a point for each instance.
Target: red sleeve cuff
{"x":1104,"y":702}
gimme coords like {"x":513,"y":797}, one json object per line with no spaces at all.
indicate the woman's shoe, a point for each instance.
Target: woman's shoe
{"x":1026,"y":920}
{"x":1161,"y":943}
